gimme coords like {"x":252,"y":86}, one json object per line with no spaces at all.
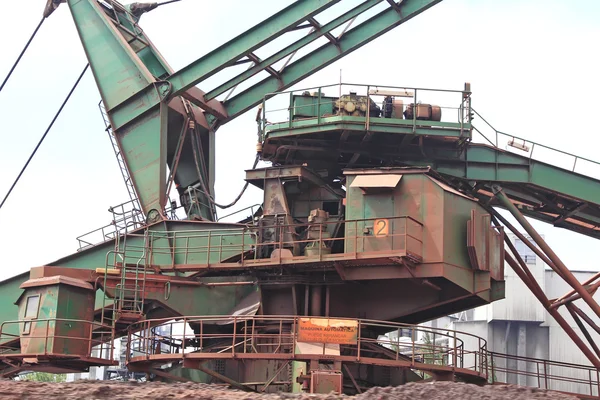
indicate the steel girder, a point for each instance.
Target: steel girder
{"x":328,"y":53}
{"x":548,"y":193}
{"x":125,"y":65}
{"x":136,"y":84}
{"x":130,"y":74}
{"x":246,"y":43}
{"x":541,"y":248}
{"x":543,"y":191}
{"x":309,"y":38}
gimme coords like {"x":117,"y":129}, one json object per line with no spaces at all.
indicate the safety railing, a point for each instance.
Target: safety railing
{"x":278,"y":336}
{"x":423,"y":349}
{"x":279,"y":110}
{"x":126,"y":217}
{"x":536,"y":151}
{"x":371,"y":237}
{"x":544,"y":374}
{"x":253,"y":208}
{"x":57,"y":337}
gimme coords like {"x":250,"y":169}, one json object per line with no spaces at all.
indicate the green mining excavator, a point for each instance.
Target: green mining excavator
{"x":379,"y":213}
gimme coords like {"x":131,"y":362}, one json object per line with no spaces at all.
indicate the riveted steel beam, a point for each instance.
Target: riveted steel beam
{"x":130,"y":74}
{"x":246,"y":43}
{"x":309,"y":38}
{"x":122,"y":76}
{"x":327,"y":54}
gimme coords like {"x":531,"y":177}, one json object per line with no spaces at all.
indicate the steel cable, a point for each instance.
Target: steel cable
{"x":242,"y":191}
{"x":44,"y":135}
{"x":167,"y":2}
{"x":21,"y":55}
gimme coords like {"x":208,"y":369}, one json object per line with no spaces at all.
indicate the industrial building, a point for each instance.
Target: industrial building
{"x":518,"y":325}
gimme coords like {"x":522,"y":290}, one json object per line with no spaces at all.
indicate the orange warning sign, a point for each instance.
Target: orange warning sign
{"x":327,"y":330}
{"x":381,"y":227}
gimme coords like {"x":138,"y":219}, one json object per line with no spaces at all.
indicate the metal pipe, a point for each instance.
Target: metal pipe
{"x":554,"y":313}
{"x":306,"y":298}
{"x":575,"y":296}
{"x":327,"y":295}
{"x":583,"y":329}
{"x":572,"y":292}
{"x":583,"y":316}
{"x":558,"y":264}
{"x":523,"y":265}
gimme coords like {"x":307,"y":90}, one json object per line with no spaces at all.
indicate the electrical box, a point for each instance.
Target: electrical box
{"x":307,"y":106}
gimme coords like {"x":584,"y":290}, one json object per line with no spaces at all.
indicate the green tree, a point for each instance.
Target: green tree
{"x":44,"y":377}
{"x":432,"y":354}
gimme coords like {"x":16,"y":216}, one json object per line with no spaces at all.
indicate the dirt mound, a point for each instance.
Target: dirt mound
{"x":157,"y":390}
{"x":462,"y":391}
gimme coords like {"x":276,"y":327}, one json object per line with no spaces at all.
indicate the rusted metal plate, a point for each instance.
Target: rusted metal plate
{"x":327,"y":330}
{"x":479,"y":231}
{"x":496,"y":254}
{"x":44,"y":271}
{"x":55,"y":280}
{"x":325,"y":382}
{"x":376,"y":181}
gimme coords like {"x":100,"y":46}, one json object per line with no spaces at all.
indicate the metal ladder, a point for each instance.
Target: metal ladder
{"x":129,"y":293}
{"x":120,"y":160}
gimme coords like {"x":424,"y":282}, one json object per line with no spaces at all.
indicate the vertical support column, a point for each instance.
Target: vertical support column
{"x":316,"y":295}
{"x":522,"y":352}
{"x":212,"y":145}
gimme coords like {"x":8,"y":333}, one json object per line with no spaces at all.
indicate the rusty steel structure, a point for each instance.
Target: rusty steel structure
{"x":379,"y":213}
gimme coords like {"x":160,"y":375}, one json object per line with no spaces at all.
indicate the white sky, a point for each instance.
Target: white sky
{"x":532,"y":66}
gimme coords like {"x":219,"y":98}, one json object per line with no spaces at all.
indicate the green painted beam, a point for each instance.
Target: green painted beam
{"x":186,"y":233}
{"x":245,"y":43}
{"x":327,"y":54}
{"x":292,"y":48}
{"x":111,"y":59}
{"x":128,"y":70}
{"x":121,"y":75}
{"x":485,"y":163}
{"x":383,"y":125}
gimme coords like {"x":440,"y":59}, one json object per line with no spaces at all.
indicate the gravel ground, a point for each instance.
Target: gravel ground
{"x":156,"y":390}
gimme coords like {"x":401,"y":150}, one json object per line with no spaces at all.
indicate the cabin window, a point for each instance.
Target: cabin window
{"x":32,"y":306}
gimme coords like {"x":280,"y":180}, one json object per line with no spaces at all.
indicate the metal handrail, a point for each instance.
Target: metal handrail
{"x":463,"y":119}
{"x":221,"y":248}
{"x":245,"y":339}
{"x":251,"y":208}
{"x":495,"y":142}
{"x":246,"y":330}
{"x":543,"y":372}
{"x":107,"y":336}
{"x":123,"y":222}
{"x":364,"y":85}
{"x":124,"y":219}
